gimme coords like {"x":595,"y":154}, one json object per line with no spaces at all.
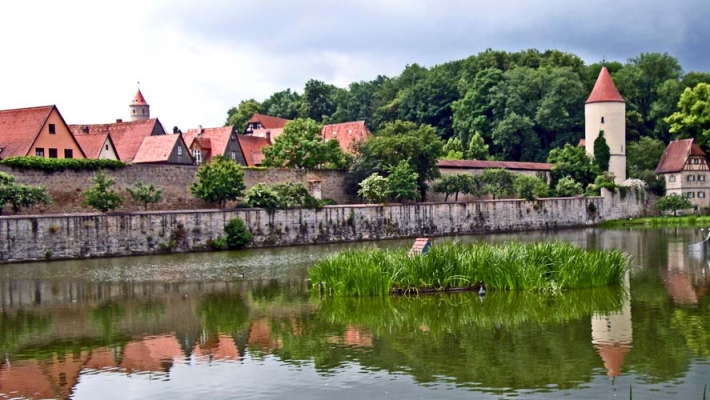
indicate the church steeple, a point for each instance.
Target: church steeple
{"x":139,"y":109}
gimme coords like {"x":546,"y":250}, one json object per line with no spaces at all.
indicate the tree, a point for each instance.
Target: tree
{"x":399,"y":141}
{"x":498,"y":182}
{"x":294,"y":195}
{"x":673,"y":202}
{"x":240,"y":115}
{"x":530,"y":187}
{"x":453,"y":149}
{"x":218,"y":181}
{"x":283,"y":104}
{"x":601,"y":152}
{"x":572,"y":161}
{"x":454,"y":184}
{"x":301,"y":145}
{"x":145,"y":194}
{"x":402,"y":182}
{"x":318,"y":100}
{"x":568,"y":187}
{"x":692,"y":120}
{"x":374,"y":189}
{"x":262,"y":196}
{"x":477,"y":148}
{"x":20,"y":196}
{"x":101,"y":196}
{"x":643,"y":155}
{"x":238,"y":235}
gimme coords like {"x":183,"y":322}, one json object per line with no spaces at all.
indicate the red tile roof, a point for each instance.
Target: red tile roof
{"x":604,"y":89}
{"x":482,"y":164}
{"x":214,"y":139}
{"x":139,"y":100}
{"x":676,"y":154}
{"x":251,"y":148}
{"x":269,"y":122}
{"x":126,"y":136}
{"x":347,"y":134}
{"x":157,"y":149}
{"x":20,"y":127}
{"x":92,"y":145}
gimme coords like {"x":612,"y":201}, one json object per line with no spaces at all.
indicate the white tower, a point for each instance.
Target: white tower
{"x":139,"y":108}
{"x":605,"y":110}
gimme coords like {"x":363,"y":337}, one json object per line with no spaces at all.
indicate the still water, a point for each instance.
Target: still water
{"x":244,"y":325}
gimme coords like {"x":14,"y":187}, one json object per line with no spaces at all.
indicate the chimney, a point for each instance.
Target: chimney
{"x":85,"y":129}
{"x":119,"y":120}
{"x":199,"y":130}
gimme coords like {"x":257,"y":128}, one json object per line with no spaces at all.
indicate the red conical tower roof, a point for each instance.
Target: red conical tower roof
{"x":605,"y":90}
{"x":139,"y":100}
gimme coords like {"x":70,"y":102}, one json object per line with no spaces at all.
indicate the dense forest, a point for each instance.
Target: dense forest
{"x":520,"y":104}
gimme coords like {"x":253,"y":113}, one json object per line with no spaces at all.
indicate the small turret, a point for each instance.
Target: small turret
{"x":139,"y":108}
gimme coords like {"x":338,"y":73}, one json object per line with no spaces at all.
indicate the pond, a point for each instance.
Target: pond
{"x":244,"y":325}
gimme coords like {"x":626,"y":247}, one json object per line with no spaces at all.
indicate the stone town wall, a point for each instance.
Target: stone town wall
{"x":174,"y":180}
{"x":25,"y":238}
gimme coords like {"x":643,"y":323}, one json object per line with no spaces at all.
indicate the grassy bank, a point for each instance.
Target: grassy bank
{"x":662,"y":221}
{"x":547,"y":267}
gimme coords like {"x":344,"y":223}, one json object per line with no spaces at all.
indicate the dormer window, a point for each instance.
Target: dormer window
{"x":696,"y":161}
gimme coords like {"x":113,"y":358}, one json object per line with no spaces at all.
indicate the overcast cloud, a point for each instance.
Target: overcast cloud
{"x":197,"y":59}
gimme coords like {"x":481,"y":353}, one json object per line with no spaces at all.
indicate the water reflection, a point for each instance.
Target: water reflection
{"x":77,"y":337}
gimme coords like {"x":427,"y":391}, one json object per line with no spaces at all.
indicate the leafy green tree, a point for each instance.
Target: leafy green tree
{"x":453,"y":149}
{"x":294,"y":195}
{"x":643,"y":155}
{"x":402,"y":182}
{"x":318,"y":100}
{"x":301,"y":145}
{"x":601,"y":152}
{"x":101,"y":196}
{"x":673,"y":202}
{"x":240,"y":115}
{"x":530,"y":187}
{"x":692,"y":120}
{"x":399,"y":141}
{"x":568,"y":187}
{"x":20,"y":196}
{"x":574,"y":162}
{"x":474,"y":112}
{"x":654,"y":183}
{"x":374,"y":189}
{"x":454,"y":184}
{"x":146,"y":194}
{"x":477,"y":148}
{"x":428,"y":101}
{"x":238,"y":235}
{"x":498,"y":182}
{"x":262,"y":196}
{"x":283,"y":104}
{"x":218,"y":181}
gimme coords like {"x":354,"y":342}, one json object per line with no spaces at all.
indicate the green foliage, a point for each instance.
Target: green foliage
{"x":374,"y":189}
{"x":146,"y":194}
{"x":453,"y":149}
{"x":568,"y":187}
{"x":20,"y":196}
{"x":605,"y":180}
{"x":643,"y":155}
{"x":530,"y":187}
{"x":283,"y":104}
{"x":673,"y":202}
{"x":294,"y":195}
{"x":262,"y":196}
{"x":238,"y":235}
{"x":498,"y":182}
{"x":654,"y":183}
{"x":218,"y":181}
{"x":402,"y":182}
{"x":455,"y":184}
{"x":546,"y":267}
{"x":574,"y":162}
{"x":477,"y":148}
{"x":301,"y":145}
{"x":692,"y":120}
{"x":101,"y":196}
{"x":318,"y":100}
{"x":61,"y":164}
{"x":601,"y":152}
{"x":240,"y":115}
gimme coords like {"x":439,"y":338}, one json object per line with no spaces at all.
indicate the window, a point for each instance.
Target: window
{"x":690,"y":195}
{"x":68,"y":153}
{"x":701,"y":178}
{"x":106,"y":147}
{"x":52,"y":153}
{"x":691,"y":178}
{"x":701,"y":195}
{"x":179,"y":150}
{"x":197,"y":155}
{"x":233,"y":155}
{"x":134,"y":111}
{"x":696,"y":161}
{"x":671,"y":178}
{"x":39,"y":152}
{"x":602,"y":120}
{"x":52,"y":129}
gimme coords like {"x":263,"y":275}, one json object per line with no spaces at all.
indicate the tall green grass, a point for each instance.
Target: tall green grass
{"x":547,"y":267}
{"x":656,"y":222}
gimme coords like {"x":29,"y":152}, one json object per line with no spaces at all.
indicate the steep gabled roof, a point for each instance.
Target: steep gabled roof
{"x":604,"y":89}
{"x":483,"y":164}
{"x":127,"y":136}
{"x":676,"y":155}
{"x":20,"y":127}
{"x":218,"y":138}
{"x":251,"y":148}
{"x":347,"y":134}
{"x":269,"y":122}
{"x":92,"y":145}
{"x":158,"y":149}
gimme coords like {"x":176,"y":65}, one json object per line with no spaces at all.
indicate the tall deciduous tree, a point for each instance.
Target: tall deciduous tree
{"x":239,"y":116}
{"x":692,"y":120}
{"x":402,"y":182}
{"x":301,"y":145}
{"x":643,"y":155}
{"x":218,"y":181}
{"x":318,"y":100}
{"x":283,"y":104}
{"x":602,"y":155}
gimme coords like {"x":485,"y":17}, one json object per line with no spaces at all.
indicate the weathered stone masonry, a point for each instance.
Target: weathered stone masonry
{"x":24,"y":238}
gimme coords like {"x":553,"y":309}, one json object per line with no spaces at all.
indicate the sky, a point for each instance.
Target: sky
{"x":196,"y":59}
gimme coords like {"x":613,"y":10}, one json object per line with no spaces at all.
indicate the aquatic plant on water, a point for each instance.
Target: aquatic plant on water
{"x":546,"y":267}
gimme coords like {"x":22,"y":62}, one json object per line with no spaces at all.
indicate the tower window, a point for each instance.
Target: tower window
{"x":602,"y":120}
{"x":134,"y":111}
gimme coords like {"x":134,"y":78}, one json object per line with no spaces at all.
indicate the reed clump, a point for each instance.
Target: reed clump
{"x":545,"y":267}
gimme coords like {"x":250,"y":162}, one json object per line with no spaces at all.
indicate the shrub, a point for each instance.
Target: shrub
{"x":101,"y":197}
{"x":374,"y":188}
{"x":567,"y":187}
{"x":238,"y":235}
{"x":20,"y":196}
{"x":262,"y":196}
{"x":293,"y":195}
{"x":145,"y":194}
{"x":61,"y":164}
{"x":530,"y":187}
